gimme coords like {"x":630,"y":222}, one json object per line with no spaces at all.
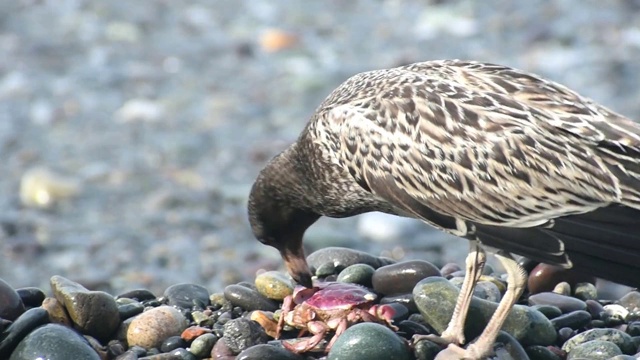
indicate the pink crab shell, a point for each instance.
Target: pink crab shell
{"x":333,"y":295}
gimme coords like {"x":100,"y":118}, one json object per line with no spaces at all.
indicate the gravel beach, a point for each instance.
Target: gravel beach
{"x":131,"y":132}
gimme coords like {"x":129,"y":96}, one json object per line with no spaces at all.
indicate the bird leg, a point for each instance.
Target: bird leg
{"x":483,"y":346}
{"x":454,"y":333}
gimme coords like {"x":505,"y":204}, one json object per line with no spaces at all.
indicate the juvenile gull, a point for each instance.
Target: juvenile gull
{"x":495,"y":155}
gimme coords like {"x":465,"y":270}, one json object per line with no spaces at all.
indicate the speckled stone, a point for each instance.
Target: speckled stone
{"x":241,"y":334}
{"x":594,"y":350}
{"x":631,"y":301}
{"x":274,"y":285}
{"x":152,"y":327}
{"x":54,"y":342}
{"x":357,"y":274}
{"x":94,"y":313}
{"x":370,"y":341}
{"x":11,"y":305}
{"x":400,"y":278}
{"x":585,"y":291}
{"x":436,"y":297}
{"x":619,"y":338}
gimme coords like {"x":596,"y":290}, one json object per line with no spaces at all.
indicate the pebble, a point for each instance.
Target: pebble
{"x":202,"y":345}
{"x":448,"y":269}
{"x":357,"y":274}
{"x":544,"y":278}
{"x":369,"y":341}
{"x":631,"y":302}
{"x":342,"y":257}
{"x":614,"y":314}
{"x":248,"y":299}
{"x":138,"y":295}
{"x":594,"y":308}
{"x":23,"y":325}
{"x":130,"y":310}
{"x":507,"y":347}
{"x":411,"y":328}
{"x":30,"y":296}
{"x":574,"y":320}
{"x":187,"y":296}
{"x":152,"y":327}
{"x":426,"y":350}
{"x":11,"y":305}
{"x":619,"y":338}
{"x":594,"y":350}
{"x":241,"y":334}
{"x":564,"y":303}
{"x":57,"y":313}
{"x":94,"y":313}
{"x":537,"y":352}
{"x":404,"y":299}
{"x":401,"y":277}
{"x":264,"y":351}
{"x":192,"y":332}
{"x":221,"y":351}
{"x":586,"y":291}
{"x":54,"y":342}
{"x":436,"y":298}
{"x":487,"y":290}
{"x":274,"y":285}
{"x":550,"y":311}
{"x":172,"y":343}
{"x":562,"y":288}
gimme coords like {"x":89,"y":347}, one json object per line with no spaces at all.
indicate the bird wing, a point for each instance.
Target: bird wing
{"x":480,"y":153}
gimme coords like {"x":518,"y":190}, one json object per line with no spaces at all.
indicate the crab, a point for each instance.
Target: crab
{"x":330,"y":306}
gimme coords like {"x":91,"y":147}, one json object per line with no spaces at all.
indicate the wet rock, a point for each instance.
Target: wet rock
{"x":241,"y":334}
{"x":187,"y":296}
{"x":342,"y":257}
{"x":614,"y":314}
{"x":152,"y":327}
{"x":248,"y":299}
{"x":404,"y":299}
{"x":631,"y":302}
{"x":192,"y":332}
{"x":507,"y":347}
{"x":221,"y":351}
{"x":400,"y":278}
{"x":549,"y":311}
{"x":23,"y":325}
{"x":574,"y":320}
{"x":586,"y":291}
{"x":537,"y":352}
{"x":426,"y":350}
{"x":436,"y":297}
{"x":619,"y":338}
{"x":357,"y":274}
{"x":30,"y":296}
{"x":565,"y":334}
{"x":130,"y":310}
{"x":172,"y":343}
{"x":264,"y":351}
{"x":274,"y":285}
{"x":201,"y":347}
{"x":544,"y":277}
{"x":594,"y":308}
{"x":633,"y":328}
{"x":411,"y":328}
{"x":94,"y":313}
{"x":57,"y":313}
{"x":562,"y":288}
{"x":11,"y":305}
{"x":564,"y":303}
{"x":54,"y":342}
{"x":369,"y":341}
{"x":594,"y":350}
{"x":448,"y":269}
{"x":138,"y":295}
{"x":487,"y":290}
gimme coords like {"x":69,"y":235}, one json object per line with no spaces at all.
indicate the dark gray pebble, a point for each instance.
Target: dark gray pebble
{"x":574,"y":320}
{"x":327,"y":269}
{"x":401,"y":312}
{"x":357,"y":274}
{"x":585,"y":291}
{"x":23,"y":325}
{"x":486,"y":290}
{"x":11,"y":305}
{"x":631,"y":301}
{"x":248,"y":298}
{"x":426,"y":350}
{"x":187,"y":296}
{"x":241,"y":334}
{"x":507,"y":347}
{"x":565,"y":303}
{"x":342,"y":257}
{"x":202,"y":345}
{"x":127,"y":355}
{"x":221,"y":350}
{"x":138,"y":294}
{"x":594,"y":308}
{"x":448,"y":269}
{"x":565,"y":334}
{"x":115,"y":348}
{"x":594,"y":350}
{"x":633,"y":328}
{"x":410,"y":328}
{"x":623,"y":357}
{"x":172,"y":343}
{"x":177,"y":354}
{"x":370,"y":341}
{"x":400,"y":278}
{"x":619,"y":338}
{"x":130,"y":310}
{"x":549,"y":311}
{"x":31,"y":296}
{"x":264,"y":351}
{"x":537,"y":352}
{"x":54,"y":342}
{"x":404,"y":299}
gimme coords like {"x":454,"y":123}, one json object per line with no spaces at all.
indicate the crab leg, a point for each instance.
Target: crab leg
{"x":319,"y":330}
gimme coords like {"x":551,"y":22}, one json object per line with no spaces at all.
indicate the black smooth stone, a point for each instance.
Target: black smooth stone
{"x":538,"y":352}
{"x":574,"y":320}
{"x":565,"y":334}
{"x":172,"y":343}
{"x":342,"y":257}
{"x":115,"y":348}
{"x":401,"y":312}
{"x":54,"y":342}
{"x":177,"y":354}
{"x":187,"y":296}
{"x":31,"y":296}
{"x":633,"y":328}
{"x":138,"y":295}
{"x":549,"y":311}
{"x":410,"y":328}
{"x":130,"y":310}
{"x":128,"y":355}
{"x":11,"y":306}
{"x":402,"y":277}
{"x":404,"y":299}
{"x":241,"y":334}
{"x":23,"y":325}
{"x":595,"y":309}
{"x":248,"y":299}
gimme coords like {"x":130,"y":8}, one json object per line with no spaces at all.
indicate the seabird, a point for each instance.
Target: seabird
{"x":501,"y":157}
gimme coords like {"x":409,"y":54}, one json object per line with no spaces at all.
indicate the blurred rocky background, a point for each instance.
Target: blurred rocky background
{"x":131,"y":131}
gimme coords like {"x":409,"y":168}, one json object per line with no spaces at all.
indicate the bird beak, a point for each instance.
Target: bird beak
{"x":296,"y":264}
